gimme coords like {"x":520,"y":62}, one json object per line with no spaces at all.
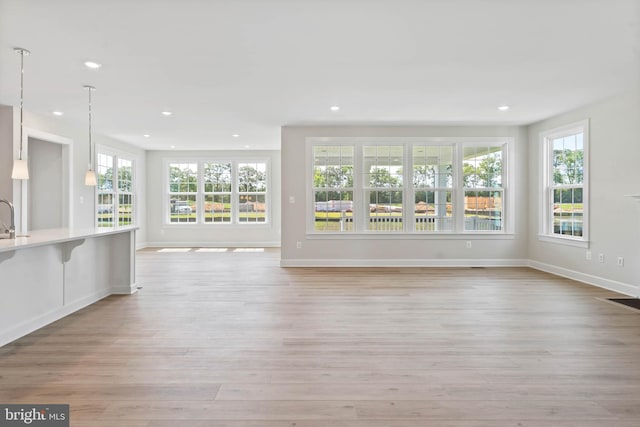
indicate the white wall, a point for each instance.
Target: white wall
{"x":614,"y":222}
{"x":396,"y":251}
{"x":46,"y":198}
{"x":83,"y":196}
{"x":161,"y":234}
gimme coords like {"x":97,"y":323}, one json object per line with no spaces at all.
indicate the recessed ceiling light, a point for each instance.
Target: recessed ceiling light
{"x":503,"y":107}
{"x":172,"y":146}
{"x":247,"y":146}
{"x":57,"y":113}
{"x":335,"y":108}
{"x":236,"y":135}
{"x":167,"y":113}
{"x":146,"y":135}
{"x":93,"y":65}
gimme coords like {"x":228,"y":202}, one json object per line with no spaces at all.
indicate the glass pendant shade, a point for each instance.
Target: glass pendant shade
{"x":20,"y":169}
{"x":90,"y":178}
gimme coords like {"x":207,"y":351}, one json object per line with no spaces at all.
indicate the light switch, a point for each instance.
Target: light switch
{"x":292,"y":199}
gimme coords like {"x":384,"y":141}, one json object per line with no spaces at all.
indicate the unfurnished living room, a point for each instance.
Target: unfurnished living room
{"x":277,"y":213}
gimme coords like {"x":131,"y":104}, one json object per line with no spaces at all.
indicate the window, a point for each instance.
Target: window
{"x":333,"y":187}
{"x":383,"y":186}
{"x":564,"y":186}
{"x":217,"y":192}
{"x":183,"y":190}
{"x":483,"y":192}
{"x":396,"y":186}
{"x":115,"y":190}
{"x":433,"y":187}
{"x":252,"y":192}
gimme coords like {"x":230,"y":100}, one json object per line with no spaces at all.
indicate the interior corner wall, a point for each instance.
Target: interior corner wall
{"x":209,"y":235}
{"x":396,"y":251}
{"x":614,"y":220}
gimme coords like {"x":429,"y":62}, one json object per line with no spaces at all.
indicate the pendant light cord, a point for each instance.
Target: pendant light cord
{"x":22,"y":53}
{"x":90,"y":143}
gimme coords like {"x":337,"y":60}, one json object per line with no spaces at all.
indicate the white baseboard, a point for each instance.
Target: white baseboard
{"x":13,"y":333}
{"x":212,"y":244}
{"x":404,"y":263}
{"x":132,"y":289}
{"x":141,"y":245}
{"x":612,"y":285}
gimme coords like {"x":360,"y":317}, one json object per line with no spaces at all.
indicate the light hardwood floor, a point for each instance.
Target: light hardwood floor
{"x":232,"y":340}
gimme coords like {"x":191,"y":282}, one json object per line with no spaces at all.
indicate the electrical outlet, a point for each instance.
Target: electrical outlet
{"x":588,"y":256}
{"x":621,"y":261}
{"x":299,"y":245}
{"x":601,"y":258}
{"x":468,"y":244}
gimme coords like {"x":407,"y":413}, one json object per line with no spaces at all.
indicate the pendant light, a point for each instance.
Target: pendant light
{"x":20,"y":167}
{"x":90,"y":176}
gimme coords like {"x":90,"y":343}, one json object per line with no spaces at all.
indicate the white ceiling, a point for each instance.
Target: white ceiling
{"x":251,"y":66}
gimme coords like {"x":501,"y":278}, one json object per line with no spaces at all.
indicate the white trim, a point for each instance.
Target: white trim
{"x":14,"y":332}
{"x":404,"y":263}
{"x":212,"y":244}
{"x":20,"y":187}
{"x":544,"y":218}
{"x":469,"y":235}
{"x":601,"y":282}
{"x":567,"y":241}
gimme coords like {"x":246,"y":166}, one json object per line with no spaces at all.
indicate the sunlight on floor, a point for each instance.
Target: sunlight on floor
{"x":248,"y":250}
{"x":212,"y":250}
{"x":174,"y":250}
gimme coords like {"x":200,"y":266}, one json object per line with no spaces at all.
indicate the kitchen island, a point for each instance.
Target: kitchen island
{"x":52,"y":273}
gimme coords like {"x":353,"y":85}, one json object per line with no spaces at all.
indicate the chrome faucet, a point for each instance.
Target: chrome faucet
{"x":12,"y":227}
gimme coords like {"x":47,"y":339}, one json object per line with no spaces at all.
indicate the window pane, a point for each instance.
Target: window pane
{"x":182,"y":208}
{"x":568,"y":160}
{"x":217,"y":177}
{"x":385,"y":210}
{"x":568,"y":212}
{"x":333,"y":167}
{"x":125,"y":209}
{"x":383,"y":166}
{"x":125,"y":168}
{"x":333,"y":211}
{"x":433,"y":211}
{"x":482,"y":210}
{"x":183,"y":177}
{"x":432,"y":166}
{"x":252,"y":208}
{"x":482,"y":167}
{"x":105,"y":210}
{"x":104,"y":170}
{"x":217,"y":208}
{"x":252,"y":177}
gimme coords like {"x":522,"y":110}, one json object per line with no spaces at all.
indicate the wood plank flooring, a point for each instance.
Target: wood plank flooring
{"x":232,"y":340}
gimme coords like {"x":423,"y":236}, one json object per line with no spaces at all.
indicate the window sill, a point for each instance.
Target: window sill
{"x":411,"y":236}
{"x":567,"y":241}
{"x":216,"y":224}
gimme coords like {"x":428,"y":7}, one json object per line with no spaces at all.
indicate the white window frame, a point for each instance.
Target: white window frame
{"x":360,"y":216}
{"x":545,"y":227}
{"x":115,"y":155}
{"x":200,"y":194}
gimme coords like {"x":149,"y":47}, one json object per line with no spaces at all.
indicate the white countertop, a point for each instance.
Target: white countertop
{"x":57,"y":235}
